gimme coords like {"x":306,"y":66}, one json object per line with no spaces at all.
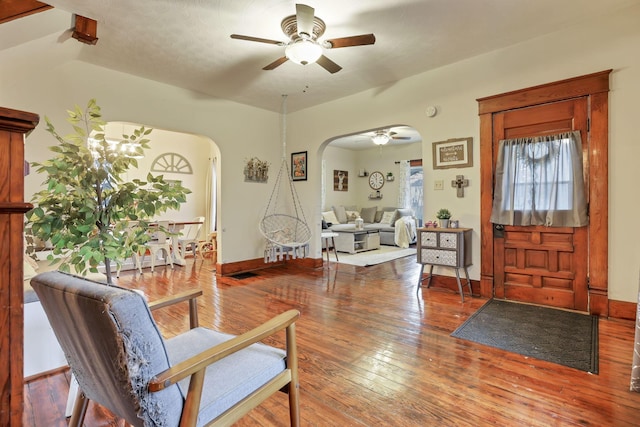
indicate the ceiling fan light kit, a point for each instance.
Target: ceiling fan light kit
{"x":380,"y":138}
{"x":303,"y":47}
{"x":303,"y":52}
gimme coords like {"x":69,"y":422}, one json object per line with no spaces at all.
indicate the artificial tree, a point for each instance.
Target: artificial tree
{"x":86,"y":209}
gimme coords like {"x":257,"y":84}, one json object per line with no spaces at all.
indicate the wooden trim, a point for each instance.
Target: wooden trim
{"x":85,"y":30}
{"x":14,"y":125}
{"x":595,"y":86}
{"x":14,"y":9}
{"x":486,"y":187}
{"x":551,"y":92}
{"x":231,"y":268}
{"x":624,"y":310}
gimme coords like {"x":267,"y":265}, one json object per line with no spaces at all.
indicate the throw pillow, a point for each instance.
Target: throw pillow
{"x":352,"y":215}
{"x":330,"y":217}
{"x":378,"y":216}
{"x":368,"y":215}
{"x":387,"y":217}
{"x":341,"y":214}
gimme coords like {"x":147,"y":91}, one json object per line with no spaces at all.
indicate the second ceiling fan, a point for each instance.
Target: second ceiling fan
{"x":304,"y":47}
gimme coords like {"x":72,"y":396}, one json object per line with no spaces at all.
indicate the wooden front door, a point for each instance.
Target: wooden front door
{"x":538,"y":264}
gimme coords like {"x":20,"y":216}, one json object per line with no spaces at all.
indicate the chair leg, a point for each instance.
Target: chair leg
{"x":169,"y":257}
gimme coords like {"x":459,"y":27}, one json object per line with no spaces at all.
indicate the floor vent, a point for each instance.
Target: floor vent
{"x":245,"y":275}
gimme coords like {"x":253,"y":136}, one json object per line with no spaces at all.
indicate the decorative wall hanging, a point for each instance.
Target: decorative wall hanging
{"x":171,"y":162}
{"x":299,"y":166}
{"x":340,"y":180}
{"x":459,"y":183}
{"x":453,"y":153}
{"x":256,"y":170}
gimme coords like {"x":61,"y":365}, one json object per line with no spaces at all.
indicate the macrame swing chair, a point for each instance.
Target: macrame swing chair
{"x":284,"y":224}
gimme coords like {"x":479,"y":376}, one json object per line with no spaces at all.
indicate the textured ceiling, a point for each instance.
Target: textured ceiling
{"x":186,"y":43}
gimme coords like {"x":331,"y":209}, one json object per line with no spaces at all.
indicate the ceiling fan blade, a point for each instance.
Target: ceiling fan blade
{"x":256,"y":39}
{"x":276,"y":63}
{"x":360,"y":40}
{"x":328,"y":65}
{"x":402,"y":138}
{"x":304,"y":19}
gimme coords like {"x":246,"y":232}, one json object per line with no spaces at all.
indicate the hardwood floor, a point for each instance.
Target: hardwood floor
{"x":372,"y":353}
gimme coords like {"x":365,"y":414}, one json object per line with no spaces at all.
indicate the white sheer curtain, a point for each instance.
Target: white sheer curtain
{"x":404,"y":192}
{"x":539,"y":181}
{"x":323,"y":184}
{"x":210,"y":203}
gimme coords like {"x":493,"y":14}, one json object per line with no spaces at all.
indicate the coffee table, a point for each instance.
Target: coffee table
{"x":353,"y":240}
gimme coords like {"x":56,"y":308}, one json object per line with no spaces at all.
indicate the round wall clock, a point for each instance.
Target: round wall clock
{"x":376,"y":180}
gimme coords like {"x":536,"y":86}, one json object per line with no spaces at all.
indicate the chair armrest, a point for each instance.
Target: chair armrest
{"x":190,"y":296}
{"x":200,"y":361}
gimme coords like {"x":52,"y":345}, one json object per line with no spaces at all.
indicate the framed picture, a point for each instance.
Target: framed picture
{"x":340,"y":180}
{"x":299,"y":166}
{"x":453,"y":153}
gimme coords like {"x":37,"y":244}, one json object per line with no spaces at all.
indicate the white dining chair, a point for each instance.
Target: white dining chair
{"x":189,"y":236}
{"x":161,"y":243}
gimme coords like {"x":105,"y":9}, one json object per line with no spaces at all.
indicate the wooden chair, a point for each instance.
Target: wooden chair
{"x":201,"y":377}
{"x":209,"y":246}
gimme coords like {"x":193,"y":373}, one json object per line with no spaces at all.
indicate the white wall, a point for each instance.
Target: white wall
{"x":611,"y":42}
{"x":39,"y":77}
{"x":197,"y":150}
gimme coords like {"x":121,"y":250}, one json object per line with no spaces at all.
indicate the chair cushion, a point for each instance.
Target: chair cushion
{"x":231,"y":379}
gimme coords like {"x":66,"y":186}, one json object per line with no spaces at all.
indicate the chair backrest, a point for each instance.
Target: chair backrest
{"x":192,"y":231}
{"x":112,"y":345}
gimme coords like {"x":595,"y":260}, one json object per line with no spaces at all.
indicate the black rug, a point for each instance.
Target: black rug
{"x":563,"y":337}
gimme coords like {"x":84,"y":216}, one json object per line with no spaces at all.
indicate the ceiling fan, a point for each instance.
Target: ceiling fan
{"x":304,"y":47}
{"x":382,"y":136}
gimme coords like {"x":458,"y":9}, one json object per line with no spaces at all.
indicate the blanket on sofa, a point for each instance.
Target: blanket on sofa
{"x":405,"y":231}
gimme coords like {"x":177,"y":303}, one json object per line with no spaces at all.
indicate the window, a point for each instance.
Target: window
{"x":539,"y":182}
{"x":416,"y":192}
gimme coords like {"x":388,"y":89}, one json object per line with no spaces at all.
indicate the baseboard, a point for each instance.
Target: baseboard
{"x":622,"y":310}
{"x":231,"y":268}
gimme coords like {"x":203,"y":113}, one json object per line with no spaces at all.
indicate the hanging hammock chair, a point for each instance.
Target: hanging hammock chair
{"x":284,"y":224}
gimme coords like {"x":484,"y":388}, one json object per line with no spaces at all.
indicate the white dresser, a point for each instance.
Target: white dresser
{"x":450,"y":247}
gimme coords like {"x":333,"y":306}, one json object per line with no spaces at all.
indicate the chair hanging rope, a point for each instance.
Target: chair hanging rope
{"x":284,"y":224}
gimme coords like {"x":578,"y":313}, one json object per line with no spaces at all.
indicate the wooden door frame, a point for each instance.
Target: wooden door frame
{"x":596,"y":87}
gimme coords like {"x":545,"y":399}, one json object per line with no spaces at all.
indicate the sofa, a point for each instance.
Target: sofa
{"x":341,"y":218}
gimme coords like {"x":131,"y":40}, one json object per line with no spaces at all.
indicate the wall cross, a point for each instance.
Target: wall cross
{"x":459,"y":183}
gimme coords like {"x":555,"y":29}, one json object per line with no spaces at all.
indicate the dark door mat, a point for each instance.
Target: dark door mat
{"x":245,"y":275}
{"x":558,"y":336}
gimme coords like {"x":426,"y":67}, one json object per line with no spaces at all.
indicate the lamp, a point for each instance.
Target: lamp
{"x":380,"y":138}
{"x":303,"y":51}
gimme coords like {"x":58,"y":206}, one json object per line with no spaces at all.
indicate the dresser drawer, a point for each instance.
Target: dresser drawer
{"x":449,"y":240}
{"x":438,"y":257}
{"x":429,"y":239}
